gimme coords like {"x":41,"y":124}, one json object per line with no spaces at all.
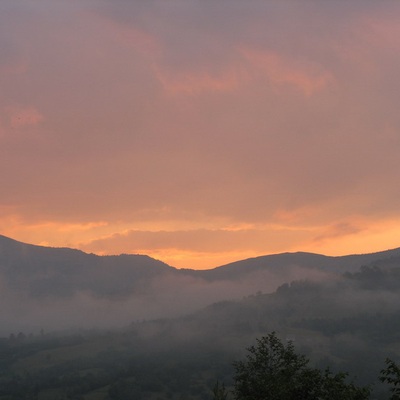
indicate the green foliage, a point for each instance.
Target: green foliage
{"x":335,"y":386}
{"x":391,"y":375}
{"x":267,"y":369}
{"x":273,"y":371}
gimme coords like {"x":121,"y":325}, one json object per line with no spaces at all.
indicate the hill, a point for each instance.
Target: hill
{"x":350,"y":324}
{"x":61,"y":288}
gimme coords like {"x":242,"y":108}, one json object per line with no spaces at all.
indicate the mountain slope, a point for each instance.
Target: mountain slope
{"x":287,"y":261}
{"x":60,"y":271}
{"x":59,"y":288}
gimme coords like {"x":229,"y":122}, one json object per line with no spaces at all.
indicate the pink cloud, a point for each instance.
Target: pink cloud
{"x":24,"y":117}
{"x":307,"y":77}
{"x":16,"y":68}
{"x":133,"y":37}
{"x":197,"y":82}
{"x":383,"y":31}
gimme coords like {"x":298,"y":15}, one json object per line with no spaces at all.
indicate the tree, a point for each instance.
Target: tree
{"x":391,"y":375}
{"x":273,"y":371}
{"x":220,"y":392}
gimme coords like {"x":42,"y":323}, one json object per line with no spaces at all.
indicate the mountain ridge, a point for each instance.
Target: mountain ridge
{"x":59,"y":287}
{"x":365,"y":257}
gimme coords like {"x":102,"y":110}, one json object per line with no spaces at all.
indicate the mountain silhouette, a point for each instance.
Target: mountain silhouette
{"x":58,"y":287}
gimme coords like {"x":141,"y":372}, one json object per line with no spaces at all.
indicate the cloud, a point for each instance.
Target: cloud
{"x":24,"y":117}
{"x":181,"y":247}
{"x":199,"y":82}
{"x":306,"y":78}
{"x":338,"y":230}
{"x":180,"y":117}
{"x":137,"y":39}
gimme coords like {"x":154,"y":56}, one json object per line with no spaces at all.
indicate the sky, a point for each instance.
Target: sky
{"x":201,"y":132}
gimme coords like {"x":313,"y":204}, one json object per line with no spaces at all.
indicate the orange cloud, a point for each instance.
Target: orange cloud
{"x":47,"y":233}
{"x":207,"y":248}
{"x":196,"y":248}
{"x":338,"y":230}
{"x":358,"y":236}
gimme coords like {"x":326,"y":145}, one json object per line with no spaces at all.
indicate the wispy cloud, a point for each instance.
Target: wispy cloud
{"x":307,"y":78}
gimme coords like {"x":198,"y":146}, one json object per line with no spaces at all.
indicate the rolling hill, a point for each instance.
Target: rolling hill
{"x":61,"y":288}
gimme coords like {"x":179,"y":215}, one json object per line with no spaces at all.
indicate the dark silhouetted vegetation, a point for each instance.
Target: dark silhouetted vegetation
{"x":274,"y":371}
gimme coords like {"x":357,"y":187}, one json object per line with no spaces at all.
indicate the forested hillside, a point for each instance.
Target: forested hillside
{"x":350,"y":324}
{"x":61,"y":288}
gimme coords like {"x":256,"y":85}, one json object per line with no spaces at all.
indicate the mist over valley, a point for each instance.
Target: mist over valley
{"x":127,"y":318}
{"x":60,"y":288}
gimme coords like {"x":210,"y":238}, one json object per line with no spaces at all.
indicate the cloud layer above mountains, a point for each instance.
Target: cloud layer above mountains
{"x":200,"y":132}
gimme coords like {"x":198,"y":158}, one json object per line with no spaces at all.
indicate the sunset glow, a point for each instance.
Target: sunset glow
{"x":201,"y":133}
